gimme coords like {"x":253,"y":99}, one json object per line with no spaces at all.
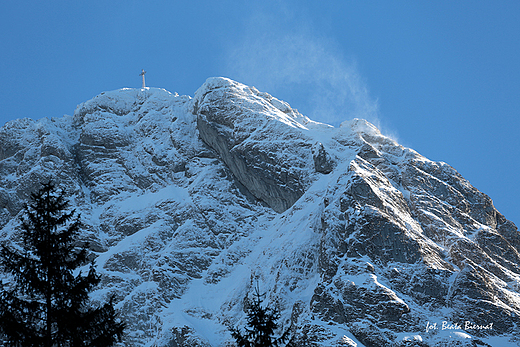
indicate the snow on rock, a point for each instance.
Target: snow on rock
{"x":188,"y":203}
{"x":267,"y":150}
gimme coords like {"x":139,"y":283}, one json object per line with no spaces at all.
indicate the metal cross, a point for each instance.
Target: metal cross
{"x":142,"y":74}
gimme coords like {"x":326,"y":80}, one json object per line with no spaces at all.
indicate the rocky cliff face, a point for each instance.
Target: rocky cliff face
{"x":189,"y":202}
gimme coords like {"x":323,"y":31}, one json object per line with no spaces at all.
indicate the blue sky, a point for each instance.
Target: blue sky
{"x":441,"y":77}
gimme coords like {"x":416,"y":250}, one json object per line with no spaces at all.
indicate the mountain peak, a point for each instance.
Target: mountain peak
{"x":186,"y":201}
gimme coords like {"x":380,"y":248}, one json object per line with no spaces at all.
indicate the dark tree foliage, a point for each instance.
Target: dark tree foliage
{"x":46,"y":304}
{"x":262,"y":324}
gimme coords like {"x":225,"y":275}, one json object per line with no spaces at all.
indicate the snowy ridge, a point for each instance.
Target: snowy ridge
{"x":189,"y":202}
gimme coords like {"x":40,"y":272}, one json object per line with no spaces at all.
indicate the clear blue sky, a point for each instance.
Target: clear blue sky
{"x":442,"y":77}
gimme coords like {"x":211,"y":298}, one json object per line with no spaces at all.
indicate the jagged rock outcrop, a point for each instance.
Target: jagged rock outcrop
{"x":187,"y":203}
{"x":322,"y":160}
{"x":242,"y":126}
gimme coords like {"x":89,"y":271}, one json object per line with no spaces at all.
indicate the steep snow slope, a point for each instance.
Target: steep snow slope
{"x":189,"y":202}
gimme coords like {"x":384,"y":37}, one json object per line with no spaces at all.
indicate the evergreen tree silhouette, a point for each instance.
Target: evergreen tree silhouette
{"x":262,"y":323}
{"x":45,"y":304}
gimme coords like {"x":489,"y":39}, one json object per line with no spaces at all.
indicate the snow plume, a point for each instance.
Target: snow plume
{"x":302,"y":68}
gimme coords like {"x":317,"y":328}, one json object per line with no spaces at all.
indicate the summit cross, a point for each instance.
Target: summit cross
{"x":142,"y":74}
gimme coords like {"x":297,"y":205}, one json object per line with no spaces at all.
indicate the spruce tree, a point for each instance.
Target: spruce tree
{"x":262,"y":323}
{"x":45,"y":303}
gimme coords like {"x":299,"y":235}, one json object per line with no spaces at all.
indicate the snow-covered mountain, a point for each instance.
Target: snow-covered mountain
{"x":189,"y":202}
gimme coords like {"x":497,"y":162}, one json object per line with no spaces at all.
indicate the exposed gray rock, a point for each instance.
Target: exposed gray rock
{"x":370,"y":335}
{"x":322,"y":160}
{"x":273,"y":171}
